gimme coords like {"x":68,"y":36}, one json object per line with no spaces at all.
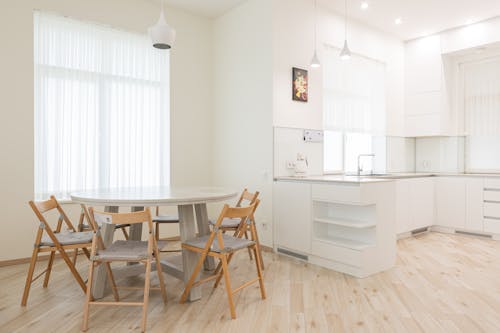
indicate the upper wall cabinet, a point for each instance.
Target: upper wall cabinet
{"x":426,"y":106}
{"x":423,"y":65}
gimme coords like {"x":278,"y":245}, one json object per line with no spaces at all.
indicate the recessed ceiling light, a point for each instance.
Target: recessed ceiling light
{"x":364,"y":5}
{"x":398,"y":21}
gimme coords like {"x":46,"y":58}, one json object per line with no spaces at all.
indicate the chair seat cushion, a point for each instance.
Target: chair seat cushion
{"x":166,"y":219}
{"x":227,"y":222}
{"x":126,"y":250}
{"x":230,"y":243}
{"x":68,"y":238}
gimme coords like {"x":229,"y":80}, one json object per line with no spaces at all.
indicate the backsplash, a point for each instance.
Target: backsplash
{"x":288,"y":142}
{"x":393,"y":154}
{"x":440,"y":154}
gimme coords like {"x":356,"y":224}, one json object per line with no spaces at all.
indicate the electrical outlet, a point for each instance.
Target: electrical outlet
{"x":290,"y":164}
{"x":264,"y":225}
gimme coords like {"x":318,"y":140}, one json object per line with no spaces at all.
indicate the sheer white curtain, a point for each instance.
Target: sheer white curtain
{"x":353,"y":111}
{"x":101,"y":108}
{"x":354,"y":94}
{"x":481,"y":97}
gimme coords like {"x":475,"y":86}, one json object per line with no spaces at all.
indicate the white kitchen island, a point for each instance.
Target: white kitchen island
{"x":345,"y":223}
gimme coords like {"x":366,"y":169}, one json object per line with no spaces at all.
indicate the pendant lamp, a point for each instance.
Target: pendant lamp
{"x":162,"y":35}
{"x":345,"y":54}
{"x":315,"y":60}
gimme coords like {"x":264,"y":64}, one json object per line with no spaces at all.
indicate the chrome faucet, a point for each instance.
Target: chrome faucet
{"x":359,"y":162}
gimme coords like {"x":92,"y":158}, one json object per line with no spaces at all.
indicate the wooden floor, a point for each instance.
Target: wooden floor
{"x":441,"y":283}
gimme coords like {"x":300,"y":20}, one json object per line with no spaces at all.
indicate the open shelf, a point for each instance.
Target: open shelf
{"x":344,"y":242}
{"x":350,"y":223}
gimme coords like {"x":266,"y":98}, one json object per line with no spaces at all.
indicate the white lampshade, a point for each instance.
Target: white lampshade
{"x":162,"y":35}
{"x":315,"y":60}
{"x":345,"y":54}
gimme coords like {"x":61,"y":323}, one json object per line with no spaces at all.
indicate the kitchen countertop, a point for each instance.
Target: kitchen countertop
{"x":379,"y":178}
{"x":335,"y":179}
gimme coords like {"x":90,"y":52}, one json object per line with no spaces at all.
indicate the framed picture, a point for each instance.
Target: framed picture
{"x":299,"y":84}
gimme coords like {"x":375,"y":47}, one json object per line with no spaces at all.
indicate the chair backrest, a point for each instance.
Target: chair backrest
{"x":243,"y":213}
{"x":42,"y":207}
{"x":121,"y":218}
{"x":247,"y":196}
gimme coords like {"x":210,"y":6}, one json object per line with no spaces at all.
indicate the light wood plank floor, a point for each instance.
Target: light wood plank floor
{"x":441,"y":283}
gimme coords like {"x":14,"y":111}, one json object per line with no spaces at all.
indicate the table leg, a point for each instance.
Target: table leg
{"x":135,"y":231}
{"x":107,"y":232}
{"x":189,"y":259}
{"x":204,"y":229}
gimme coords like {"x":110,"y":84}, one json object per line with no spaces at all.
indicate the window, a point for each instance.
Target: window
{"x":101,"y":108}
{"x":354,"y":112}
{"x":481,"y":106}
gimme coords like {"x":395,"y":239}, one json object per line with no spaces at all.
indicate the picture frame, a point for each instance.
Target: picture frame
{"x":300,"y":84}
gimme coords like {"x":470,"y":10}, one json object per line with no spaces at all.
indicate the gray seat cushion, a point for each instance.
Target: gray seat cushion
{"x":230,"y":243}
{"x":68,"y":238}
{"x":227,"y":222}
{"x":126,"y":250}
{"x":166,"y":219}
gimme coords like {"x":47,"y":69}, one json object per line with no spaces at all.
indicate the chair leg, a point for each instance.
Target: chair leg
{"x":160,"y":276}
{"x":112,"y":281}
{"x":157,"y":231}
{"x":249,"y":251}
{"x":49,"y":269}
{"x":219,"y":270}
{"x":228,"y":287}
{"x":259,"y":271}
{"x":31,"y":270}
{"x":125,"y":233}
{"x":73,"y":270}
{"x":75,"y":255}
{"x":88,"y":296}
{"x":257,"y":242}
{"x":190,"y":283}
{"x":146,"y":296}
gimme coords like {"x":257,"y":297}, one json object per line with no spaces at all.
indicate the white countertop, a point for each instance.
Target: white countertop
{"x":380,"y":178}
{"x":335,"y":179}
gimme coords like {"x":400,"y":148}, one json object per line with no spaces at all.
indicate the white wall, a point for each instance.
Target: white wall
{"x":243,"y":136}
{"x":293,"y":23}
{"x":191,"y":101}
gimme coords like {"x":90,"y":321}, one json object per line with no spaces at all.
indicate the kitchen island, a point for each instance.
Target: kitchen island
{"x":345,"y":223}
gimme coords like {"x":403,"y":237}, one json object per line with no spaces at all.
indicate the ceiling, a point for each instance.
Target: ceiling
{"x":419,"y":17}
{"x":207,"y":8}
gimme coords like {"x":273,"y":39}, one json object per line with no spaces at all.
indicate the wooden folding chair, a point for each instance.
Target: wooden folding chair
{"x":233,"y":225}
{"x":164,"y":219}
{"x":125,"y":251}
{"x":48,"y":240}
{"x":222,"y":246}
{"x":82,"y":226}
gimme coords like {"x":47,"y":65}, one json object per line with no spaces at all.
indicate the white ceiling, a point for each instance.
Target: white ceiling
{"x":420,"y":17}
{"x":207,"y":8}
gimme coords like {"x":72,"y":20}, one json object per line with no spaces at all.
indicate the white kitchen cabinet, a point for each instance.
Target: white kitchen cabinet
{"x":292,"y":215}
{"x":422,"y":202}
{"x":451,"y":202}
{"x":474,"y":204}
{"x":414,"y":204}
{"x":403,"y":211}
{"x":423,"y":64}
{"x":426,"y":95}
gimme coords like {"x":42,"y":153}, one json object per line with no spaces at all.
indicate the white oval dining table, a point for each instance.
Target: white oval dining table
{"x":189,"y":200}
